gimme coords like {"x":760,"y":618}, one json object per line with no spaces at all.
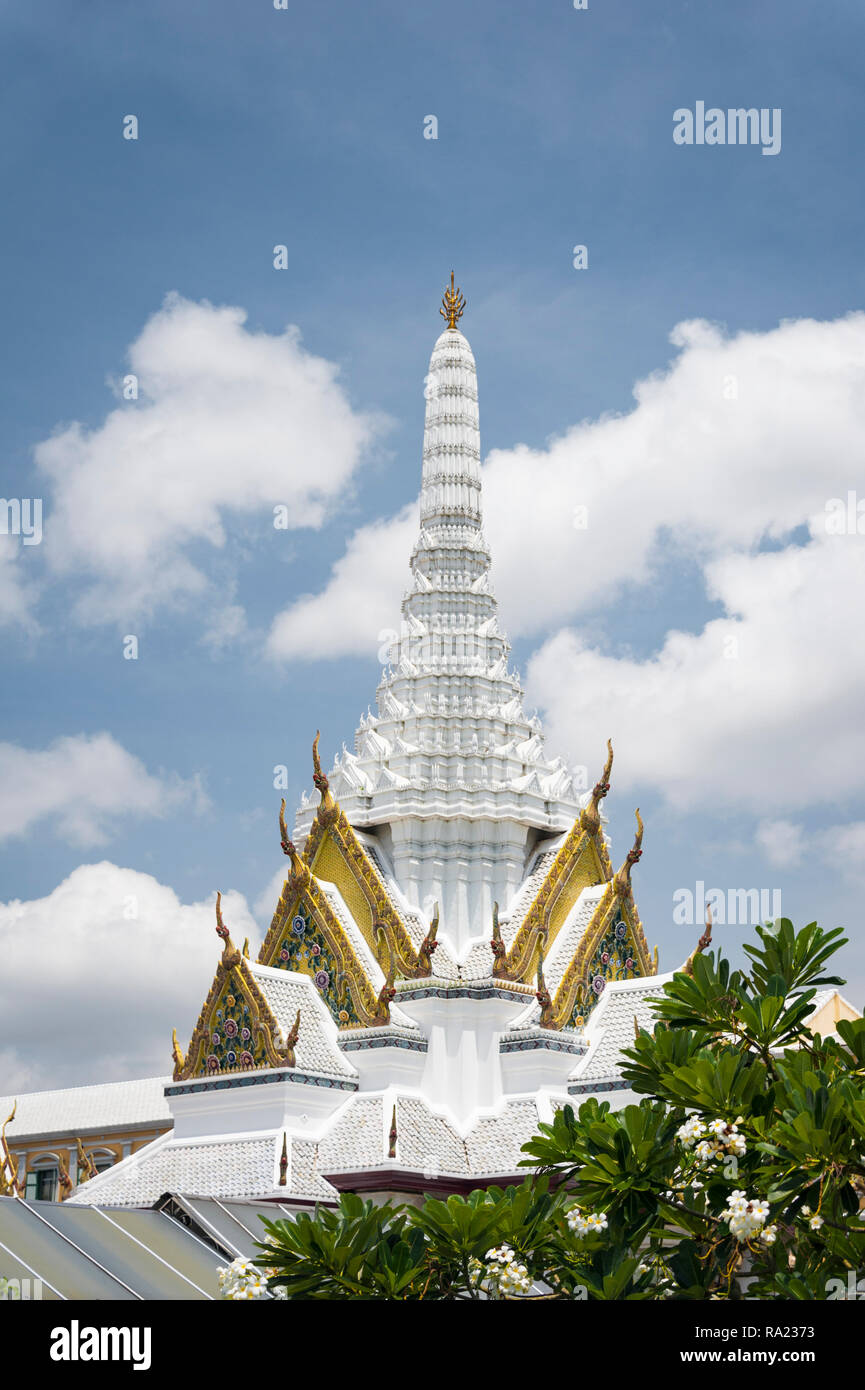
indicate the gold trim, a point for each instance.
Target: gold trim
{"x":330,"y":817}
{"x":301,"y":887}
{"x":453,"y":304}
{"x":233,"y":969}
{"x":177,"y":1055}
{"x":590,"y":816}
{"x":617,"y":899}
{"x":9,"y":1169}
{"x":538,"y":928}
{"x":535,"y":928}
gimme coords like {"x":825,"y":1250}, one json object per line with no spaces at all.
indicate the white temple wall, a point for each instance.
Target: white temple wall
{"x":463,"y":865}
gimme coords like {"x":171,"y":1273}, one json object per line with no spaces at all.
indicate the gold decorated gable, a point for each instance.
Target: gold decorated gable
{"x":306,"y":936}
{"x":335,"y":854}
{"x":581,"y":862}
{"x":236,"y":1030}
{"x":613,"y":947}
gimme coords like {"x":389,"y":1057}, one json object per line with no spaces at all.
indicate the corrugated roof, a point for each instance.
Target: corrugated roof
{"x":87,"y":1253}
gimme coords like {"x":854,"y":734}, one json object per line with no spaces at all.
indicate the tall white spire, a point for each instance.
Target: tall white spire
{"x":449,"y":771}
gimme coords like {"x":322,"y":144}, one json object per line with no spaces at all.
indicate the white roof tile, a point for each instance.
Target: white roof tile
{"x":611,"y":1026}
{"x":114,"y":1105}
{"x":221,"y":1168}
{"x":317,"y":1049}
{"x":356,"y":1140}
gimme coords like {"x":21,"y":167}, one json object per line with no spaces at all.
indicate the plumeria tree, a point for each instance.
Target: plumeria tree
{"x":739,"y":1174}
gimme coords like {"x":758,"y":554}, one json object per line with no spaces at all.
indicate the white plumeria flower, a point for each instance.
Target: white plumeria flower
{"x":691,"y":1130}
{"x":745,"y":1218}
{"x":242,"y":1280}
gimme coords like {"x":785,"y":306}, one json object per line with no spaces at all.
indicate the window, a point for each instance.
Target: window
{"x":41,"y":1183}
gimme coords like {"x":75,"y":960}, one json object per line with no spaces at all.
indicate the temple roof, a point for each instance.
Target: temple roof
{"x":358,"y":1138}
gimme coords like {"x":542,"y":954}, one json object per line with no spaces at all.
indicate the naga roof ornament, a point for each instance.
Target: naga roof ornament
{"x":622,"y":880}
{"x":230,"y":954}
{"x":590,"y":816}
{"x":177,"y":1055}
{"x":8,"y":1165}
{"x":428,"y":947}
{"x":319,"y":778}
{"x":705,"y":940}
{"x":85,"y":1161}
{"x":300,"y":876}
{"x":66,"y":1183}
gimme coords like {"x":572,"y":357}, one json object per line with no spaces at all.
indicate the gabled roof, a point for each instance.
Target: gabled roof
{"x":114,"y":1105}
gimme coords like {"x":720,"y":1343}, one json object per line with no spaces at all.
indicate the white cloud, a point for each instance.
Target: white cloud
{"x":109,"y":963}
{"x":227,"y":421}
{"x":843,"y":846}
{"x":225,"y":626}
{"x":760,"y":710}
{"x":17,"y":592}
{"x":781,"y":841}
{"x":84,"y":783}
{"x":360,"y":601}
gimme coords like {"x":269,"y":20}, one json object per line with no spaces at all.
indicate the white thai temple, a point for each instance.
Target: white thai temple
{"x":454,"y":954}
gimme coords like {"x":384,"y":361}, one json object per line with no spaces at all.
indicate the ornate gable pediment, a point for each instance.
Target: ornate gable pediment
{"x":581,"y":862}
{"x":306,"y":936}
{"x":612,"y":947}
{"x":334,"y":854}
{"x":236,"y":1029}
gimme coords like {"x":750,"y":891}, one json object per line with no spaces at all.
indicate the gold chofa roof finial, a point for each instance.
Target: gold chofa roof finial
{"x":453,"y":303}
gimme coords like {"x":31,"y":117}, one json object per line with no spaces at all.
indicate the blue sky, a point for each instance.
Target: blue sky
{"x":305,"y":128}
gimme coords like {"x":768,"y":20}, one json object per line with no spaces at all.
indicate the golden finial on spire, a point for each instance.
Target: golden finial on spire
{"x":453,"y":303}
